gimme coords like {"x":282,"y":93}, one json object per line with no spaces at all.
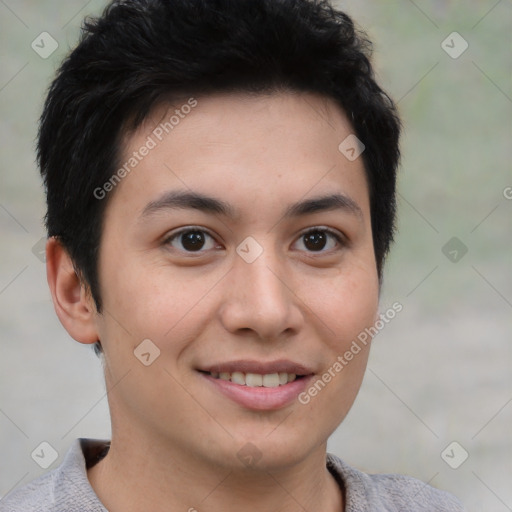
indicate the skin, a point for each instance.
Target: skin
{"x":169,"y":428}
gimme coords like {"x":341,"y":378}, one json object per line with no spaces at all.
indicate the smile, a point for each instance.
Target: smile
{"x":258,"y":385}
{"x":254,"y":380}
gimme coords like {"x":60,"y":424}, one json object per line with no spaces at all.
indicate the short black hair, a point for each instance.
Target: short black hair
{"x":143,"y":52}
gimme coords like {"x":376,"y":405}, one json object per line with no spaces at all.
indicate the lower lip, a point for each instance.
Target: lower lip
{"x":260,"y":398}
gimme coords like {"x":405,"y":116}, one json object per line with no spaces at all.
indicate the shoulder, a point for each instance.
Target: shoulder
{"x":33,"y":497}
{"x":391,"y":492}
{"x":65,"y":489}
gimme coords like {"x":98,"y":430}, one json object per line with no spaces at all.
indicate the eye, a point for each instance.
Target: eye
{"x":191,"y":240}
{"x":319,"y":240}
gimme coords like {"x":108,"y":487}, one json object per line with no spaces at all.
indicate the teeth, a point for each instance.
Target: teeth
{"x":238,"y":378}
{"x":271,"y":380}
{"x":253,"y":380}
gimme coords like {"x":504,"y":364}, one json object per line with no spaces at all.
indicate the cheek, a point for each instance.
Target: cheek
{"x":154,"y":302}
{"x":346,"y":305}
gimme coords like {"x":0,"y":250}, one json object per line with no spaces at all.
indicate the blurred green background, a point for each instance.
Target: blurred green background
{"x":439,"y":372}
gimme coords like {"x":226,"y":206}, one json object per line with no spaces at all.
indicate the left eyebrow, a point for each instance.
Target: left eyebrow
{"x":207,"y":204}
{"x":323,"y":204}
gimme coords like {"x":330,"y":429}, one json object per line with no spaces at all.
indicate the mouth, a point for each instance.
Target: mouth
{"x":258,"y":386}
{"x":256,"y":380}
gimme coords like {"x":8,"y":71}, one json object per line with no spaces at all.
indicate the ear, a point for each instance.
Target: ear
{"x":73,"y":304}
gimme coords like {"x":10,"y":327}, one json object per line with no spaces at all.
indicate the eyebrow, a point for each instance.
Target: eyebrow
{"x":196,"y":201}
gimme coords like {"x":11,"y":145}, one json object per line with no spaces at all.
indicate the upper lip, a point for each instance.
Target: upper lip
{"x":259,"y":367}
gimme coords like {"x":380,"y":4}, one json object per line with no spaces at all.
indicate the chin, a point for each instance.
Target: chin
{"x":274,"y":451}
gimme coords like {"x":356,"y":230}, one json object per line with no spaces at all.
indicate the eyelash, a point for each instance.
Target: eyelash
{"x":340,"y":239}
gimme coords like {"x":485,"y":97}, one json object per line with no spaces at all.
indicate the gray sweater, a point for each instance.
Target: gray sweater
{"x":67,"y":489}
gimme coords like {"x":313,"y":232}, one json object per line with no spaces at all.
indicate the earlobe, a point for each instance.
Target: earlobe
{"x":73,"y":305}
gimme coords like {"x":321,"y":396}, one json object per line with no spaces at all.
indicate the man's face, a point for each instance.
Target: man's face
{"x":271,"y":283}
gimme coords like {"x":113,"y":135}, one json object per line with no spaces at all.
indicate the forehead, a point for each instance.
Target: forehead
{"x":276,"y":146}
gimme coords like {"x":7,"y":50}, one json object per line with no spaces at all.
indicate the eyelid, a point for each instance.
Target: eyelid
{"x":331,"y":231}
{"x":184,"y":229}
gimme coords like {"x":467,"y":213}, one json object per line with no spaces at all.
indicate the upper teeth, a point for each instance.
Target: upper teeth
{"x":269,"y":380}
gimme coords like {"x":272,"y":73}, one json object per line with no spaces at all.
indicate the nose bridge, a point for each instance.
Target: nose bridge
{"x":259,"y":298}
{"x":262,"y":282}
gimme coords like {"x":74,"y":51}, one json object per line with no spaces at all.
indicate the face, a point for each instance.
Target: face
{"x":240,"y":248}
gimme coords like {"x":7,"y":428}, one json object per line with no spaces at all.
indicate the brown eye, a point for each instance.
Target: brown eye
{"x":191,"y":240}
{"x":315,"y":240}
{"x":319,"y":240}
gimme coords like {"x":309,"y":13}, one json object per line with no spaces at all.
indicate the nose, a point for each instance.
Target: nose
{"x":260,"y":298}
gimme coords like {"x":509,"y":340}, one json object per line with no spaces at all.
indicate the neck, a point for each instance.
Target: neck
{"x":141,"y":475}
